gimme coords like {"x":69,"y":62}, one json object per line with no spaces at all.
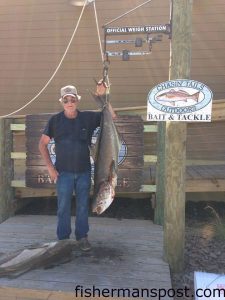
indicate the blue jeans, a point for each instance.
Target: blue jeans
{"x":68,"y":182}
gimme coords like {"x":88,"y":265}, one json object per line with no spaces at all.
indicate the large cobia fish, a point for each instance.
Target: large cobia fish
{"x":105,"y":159}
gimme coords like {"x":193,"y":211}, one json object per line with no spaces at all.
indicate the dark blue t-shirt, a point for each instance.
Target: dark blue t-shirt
{"x":72,"y":139}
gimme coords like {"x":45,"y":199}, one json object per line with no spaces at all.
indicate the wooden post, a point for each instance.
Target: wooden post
{"x":173,"y":141}
{"x":160,"y":175}
{"x":6,"y":170}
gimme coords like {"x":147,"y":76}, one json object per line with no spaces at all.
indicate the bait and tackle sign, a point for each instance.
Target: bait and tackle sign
{"x":180,"y":100}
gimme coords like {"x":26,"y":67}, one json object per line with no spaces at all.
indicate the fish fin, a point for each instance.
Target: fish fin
{"x":112,"y":174}
{"x":94,"y":149}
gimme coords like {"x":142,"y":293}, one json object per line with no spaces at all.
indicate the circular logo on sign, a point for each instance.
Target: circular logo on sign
{"x":180,"y":96}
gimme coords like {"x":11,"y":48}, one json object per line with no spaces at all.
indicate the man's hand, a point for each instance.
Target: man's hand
{"x":53,"y":173}
{"x":101,"y":88}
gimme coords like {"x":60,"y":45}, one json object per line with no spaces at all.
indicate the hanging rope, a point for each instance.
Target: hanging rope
{"x":104,"y":61}
{"x":56,"y":70}
{"x":99,"y":37}
{"x":129,"y":11}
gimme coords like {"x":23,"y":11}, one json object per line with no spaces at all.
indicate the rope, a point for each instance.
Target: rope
{"x":56,"y":70}
{"x":99,"y":37}
{"x":131,"y":10}
{"x":100,"y":43}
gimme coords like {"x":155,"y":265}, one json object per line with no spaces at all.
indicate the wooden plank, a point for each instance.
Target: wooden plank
{"x":13,"y":293}
{"x":18,"y":183}
{"x":19,"y":142}
{"x":148,"y":188}
{"x":129,"y":139}
{"x":150,"y":128}
{"x":150,"y":158}
{"x":160,"y":179}
{"x":205,"y":185}
{"x":196,"y":186}
{"x":119,"y":247}
{"x":17,"y":127}
{"x":6,"y":170}
{"x":189,"y":162}
{"x":124,"y":125}
{"x":26,"y":192}
{"x":129,"y":162}
{"x":18,"y":155}
{"x":19,"y":168}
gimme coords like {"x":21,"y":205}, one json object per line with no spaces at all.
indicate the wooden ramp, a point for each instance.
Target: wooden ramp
{"x":126,"y":254}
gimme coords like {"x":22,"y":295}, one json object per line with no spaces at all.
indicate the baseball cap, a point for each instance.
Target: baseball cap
{"x":69,"y":90}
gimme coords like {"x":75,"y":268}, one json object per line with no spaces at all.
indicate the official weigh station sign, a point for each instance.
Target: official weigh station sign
{"x":180,"y":100}
{"x":161,"y":28}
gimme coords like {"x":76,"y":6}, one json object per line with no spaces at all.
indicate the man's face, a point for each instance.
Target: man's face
{"x":70,"y":103}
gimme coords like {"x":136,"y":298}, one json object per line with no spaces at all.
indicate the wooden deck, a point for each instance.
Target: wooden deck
{"x":125,"y":254}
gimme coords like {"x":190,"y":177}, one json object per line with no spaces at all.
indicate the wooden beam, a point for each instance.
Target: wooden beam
{"x":6,"y":170}
{"x":18,"y":127}
{"x":205,"y":185}
{"x":175,"y":140}
{"x":160,"y":176}
{"x":26,"y":192}
{"x":206,"y":197}
{"x":18,"y":155}
{"x":204,"y":162}
{"x":152,"y":159}
{"x":195,"y":186}
{"x":218,"y":110}
{"x":11,"y":293}
{"x":18,"y":183}
{"x":150,"y":128}
{"x":148,"y":188}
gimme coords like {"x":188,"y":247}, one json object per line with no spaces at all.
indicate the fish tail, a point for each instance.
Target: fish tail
{"x":99,"y":100}
{"x":195,"y":96}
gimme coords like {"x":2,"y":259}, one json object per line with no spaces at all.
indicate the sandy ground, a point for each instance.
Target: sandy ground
{"x":204,"y":250}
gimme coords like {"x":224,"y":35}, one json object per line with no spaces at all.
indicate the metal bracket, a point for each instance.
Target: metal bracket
{"x":80,"y":3}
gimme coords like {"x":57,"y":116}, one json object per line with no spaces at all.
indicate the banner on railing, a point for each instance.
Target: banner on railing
{"x":131,"y":156}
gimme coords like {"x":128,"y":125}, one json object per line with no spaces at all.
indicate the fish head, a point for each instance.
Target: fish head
{"x":103,"y":198}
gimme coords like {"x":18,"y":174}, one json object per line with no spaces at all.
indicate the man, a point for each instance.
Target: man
{"x":72,"y":131}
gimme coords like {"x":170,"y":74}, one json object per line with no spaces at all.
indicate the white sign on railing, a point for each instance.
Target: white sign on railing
{"x":180,"y":100}
{"x":209,"y":286}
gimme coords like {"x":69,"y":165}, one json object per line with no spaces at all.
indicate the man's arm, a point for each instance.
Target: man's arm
{"x":101,"y":90}
{"x":43,"y":148}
